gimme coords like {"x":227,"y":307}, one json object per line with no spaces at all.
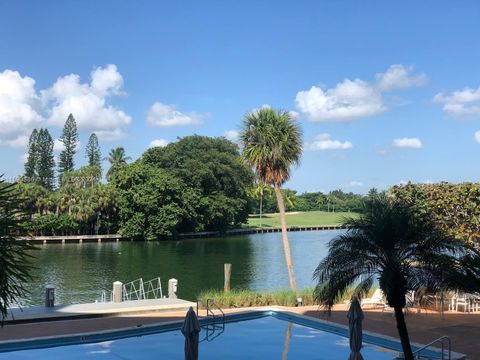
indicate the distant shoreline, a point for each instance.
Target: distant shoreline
{"x":79,"y":239}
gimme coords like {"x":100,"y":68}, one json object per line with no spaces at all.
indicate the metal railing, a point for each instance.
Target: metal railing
{"x":106,"y":294}
{"x":441,"y":341}
{"x":135,"y":290}
{"x":214,"y":328}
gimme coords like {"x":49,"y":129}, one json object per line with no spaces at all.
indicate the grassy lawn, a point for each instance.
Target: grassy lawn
{"x":309,"y":218}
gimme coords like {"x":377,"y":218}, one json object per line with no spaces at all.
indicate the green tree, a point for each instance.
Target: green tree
{"x":117,"y":159}
{"x":213,"y":168}
{"x":32,"y":159}
{"x":46,"y":160}
{"x":92,"y":151}
{"x":272,"y":143}
{"x":401,"y":250}
{"x":14,"y":258}
{"x":69,"y":139}
{"x":259,"y":192}
{"x":454,"y":207}
{"x":153,"y":204}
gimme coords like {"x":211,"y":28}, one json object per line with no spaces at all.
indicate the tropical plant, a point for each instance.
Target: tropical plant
{"x":272,"y":144}
{"x":403,"y":251}
{"x":92,"y":151}
{"x":14,"y":256}
{"x":117,"y":159}
{"x":46,"y":160}
{"x":259,"y":191}
{"x":32,"y":157}
{"x":69,"y":139}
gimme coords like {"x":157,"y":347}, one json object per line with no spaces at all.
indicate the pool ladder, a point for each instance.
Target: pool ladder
{"x":441,"y":340}
{"x":215,"y":324}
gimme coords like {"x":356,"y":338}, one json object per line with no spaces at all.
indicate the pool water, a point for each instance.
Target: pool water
{"x":262,"y":338}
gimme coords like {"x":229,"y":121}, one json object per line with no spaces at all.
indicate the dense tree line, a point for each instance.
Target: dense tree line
{"x":75,"y":202}
{"x":455,"y":208}
{"x":195,"y":184}
{"x":336,"y":200}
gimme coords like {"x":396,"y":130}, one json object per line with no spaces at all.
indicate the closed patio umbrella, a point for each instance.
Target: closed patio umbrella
{"x":355,"y":317}
{"x":190,"y":329}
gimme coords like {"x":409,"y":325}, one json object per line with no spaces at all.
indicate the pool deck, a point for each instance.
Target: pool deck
{"x":95,"y":310}
{"x":462,"y":328}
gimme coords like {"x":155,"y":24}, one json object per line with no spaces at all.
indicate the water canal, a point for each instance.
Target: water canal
{"x":80,"y":271}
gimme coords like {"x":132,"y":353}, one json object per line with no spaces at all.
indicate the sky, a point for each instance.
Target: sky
{"x":385,"y":92}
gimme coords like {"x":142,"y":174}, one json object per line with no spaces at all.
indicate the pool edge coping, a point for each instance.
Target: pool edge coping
{"x":247,"y":314}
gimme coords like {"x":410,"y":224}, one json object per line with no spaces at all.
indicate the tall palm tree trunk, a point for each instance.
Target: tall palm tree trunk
{"x":403,"y":333}
{"x":286,"y":244}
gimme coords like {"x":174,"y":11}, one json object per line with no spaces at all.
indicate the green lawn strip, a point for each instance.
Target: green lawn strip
{"x":310,"y":218}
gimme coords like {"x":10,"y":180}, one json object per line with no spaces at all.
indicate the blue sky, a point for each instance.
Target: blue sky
{"x":384,"y":92}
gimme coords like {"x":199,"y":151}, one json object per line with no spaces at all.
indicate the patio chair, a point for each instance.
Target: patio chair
{"x":377,"y":299}
{"x":475,"y":298}
{"x":460,"y":300}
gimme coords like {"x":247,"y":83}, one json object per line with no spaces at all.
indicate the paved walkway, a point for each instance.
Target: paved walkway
{"x":41,"y":313}
{"x":463,"y":329}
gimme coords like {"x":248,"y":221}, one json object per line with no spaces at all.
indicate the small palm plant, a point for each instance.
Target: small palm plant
{"x":14,"y":254}
{"x":402,"y":251}
{"x":272,"y":144}
{"x":117,"y":159}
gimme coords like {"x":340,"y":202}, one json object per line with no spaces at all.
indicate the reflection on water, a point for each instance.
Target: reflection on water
{"x":80,"y":271}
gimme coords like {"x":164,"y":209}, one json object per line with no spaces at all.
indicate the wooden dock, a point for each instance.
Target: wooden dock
{"x":263,"y":230}
{"x":79,"y":239}
{"x":73,"y":239}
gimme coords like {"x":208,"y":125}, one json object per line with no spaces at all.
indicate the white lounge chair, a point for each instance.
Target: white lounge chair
{"x":462,"y":300}
{"x":377,"y":299}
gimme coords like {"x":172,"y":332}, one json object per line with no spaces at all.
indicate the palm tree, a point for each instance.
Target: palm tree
{"x":272,"y":143}
{"x":117,"y":159}
{"x":259,"y":192}
{"x":403,"y":251}
{"x":15,"y":256}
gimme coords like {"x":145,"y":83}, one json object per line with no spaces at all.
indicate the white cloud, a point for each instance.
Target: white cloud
{"x":407,"y":143}
{"x":163,"y":115}
{"x":398,"y":76}
{"x":460,"y":103}
{"x":19,"y":105}
{"x":19,"y":142}
{"x":232,"y":135}
{"x":22,"y":108}
{"x":355,"y":183}
{"x":107,"y":81}
{"x":159,"y":143}
{"x":349,"y":100}
{"x":111,"y":135}
{"x":355,"y":99}
{"x":88,"y":102}
{"x":23,"y":158}
{"x":325,"y":142}
{"x":58,"y":145}
{"x":477,"y":136}
{"x":294,"y":114}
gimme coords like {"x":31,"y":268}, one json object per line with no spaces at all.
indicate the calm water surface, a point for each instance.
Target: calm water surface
{"x":80,"y":271}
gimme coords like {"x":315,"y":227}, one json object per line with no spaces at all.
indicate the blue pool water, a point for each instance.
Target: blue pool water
{"x":264,"y":337}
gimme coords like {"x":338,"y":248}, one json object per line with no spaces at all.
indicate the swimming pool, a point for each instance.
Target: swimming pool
{"x":255,"y":335}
